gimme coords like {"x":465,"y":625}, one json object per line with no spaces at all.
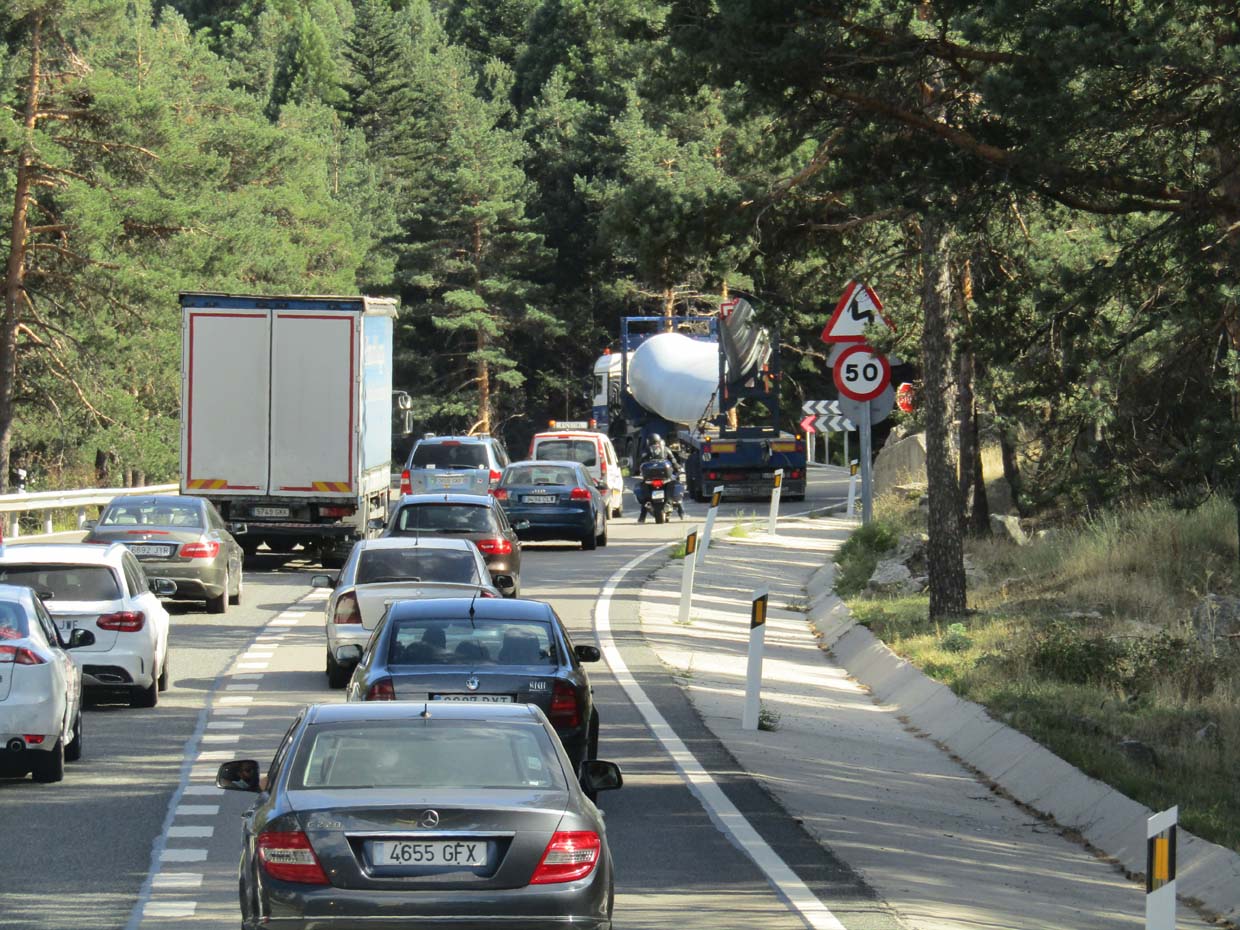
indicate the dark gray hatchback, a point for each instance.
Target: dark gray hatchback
{"x":411,"y":814}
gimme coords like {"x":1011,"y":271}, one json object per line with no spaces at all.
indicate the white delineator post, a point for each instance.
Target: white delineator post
{"x":686,"y":577}
{"x":753,"y":672}
{"x":852,"y":490}
{"x":1160,"y":870}
{"x":711,"y":513}
{"x":779,"y":480}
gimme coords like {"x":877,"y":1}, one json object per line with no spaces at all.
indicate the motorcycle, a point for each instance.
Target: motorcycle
{"x":661,"y":490}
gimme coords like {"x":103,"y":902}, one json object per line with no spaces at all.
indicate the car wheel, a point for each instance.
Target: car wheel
{"x":73,"y":751}
{"x":218,"y":605}
{"x":235,"y":599}
{"x":162,"y":683}
{"x":145,"y":697}
{"x":47,"y":767}
{"x":589,"y":541}
{"x":337,"y":675}
{"x":602,"y":537}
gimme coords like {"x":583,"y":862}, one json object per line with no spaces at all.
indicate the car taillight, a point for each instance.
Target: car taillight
{"x":796,"y":473}
{"x":200,"y":550}
{"x":501,"y":494}
{"x":579,"y":494}
{"x":288,"y":857}
{"x":496,"y":546}
{"x":126,"y":621}
{"x":337,"y":511}
{"x":495,"y":476}
{"x":564,"y":711}
{"x":406,"y":487}
{"x":347,"y":610}
{"x":571,"y":855}
{"x":712,"y":476}
{"x":486,"y":593}
{"x":656,"y":482}
{"x":20,"y":655}
{"x":33,"y":739}
{"x":382,"y":690}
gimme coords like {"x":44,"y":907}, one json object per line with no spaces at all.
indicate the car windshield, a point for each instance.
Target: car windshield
{"x":13,"y":621}
{"x":584,"y":451}
{"x":427,"y":753}
{"x":471,"y":642}
{"x":449,"y":455}
{"x":65,"y":582}
{"x":539,"y":474}
{"x":449,"y":566}
{"x":445,"y":518}
{"x":160,"y":513}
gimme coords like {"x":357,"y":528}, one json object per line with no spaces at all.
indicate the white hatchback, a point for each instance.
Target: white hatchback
{"x":595,"y":453}
{"x":104,"y":590}
{"x":40,"y":689}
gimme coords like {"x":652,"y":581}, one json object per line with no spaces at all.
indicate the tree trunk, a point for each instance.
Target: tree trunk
{"x":966,"y":413}
{"x":979,"y":514}
{"x":945,"y":551}
{"x":15,"y":268}
{"x":484,"y":384}
{"x":1011,"y":470}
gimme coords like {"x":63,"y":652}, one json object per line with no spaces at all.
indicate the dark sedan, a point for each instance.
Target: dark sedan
{"x":476,"y":517}
{"x":429,"y":815}
{"x":183,"y":539}
{"x":478,"y":651}
{"x":554,"y":500}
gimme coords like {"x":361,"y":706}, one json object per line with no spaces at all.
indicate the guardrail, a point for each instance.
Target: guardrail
{"x":14,"y":505}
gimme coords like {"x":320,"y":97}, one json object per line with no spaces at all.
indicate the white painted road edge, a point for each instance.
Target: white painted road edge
{"x":724,"y":813}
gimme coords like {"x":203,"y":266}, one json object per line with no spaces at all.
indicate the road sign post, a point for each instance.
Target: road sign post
{"x":779,"y":480}
{"x":867,"y":477}
{"x":711,"y":513}
{"x":753,"y":670}
{"x":852,"y":488}
{"x":1160,"y":870}
{"x":686,"y":577}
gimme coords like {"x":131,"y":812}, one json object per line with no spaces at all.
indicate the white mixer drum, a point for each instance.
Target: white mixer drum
{"x":676,"y":377}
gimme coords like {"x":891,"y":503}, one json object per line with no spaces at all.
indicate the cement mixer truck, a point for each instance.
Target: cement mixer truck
{"x":709,"y":384}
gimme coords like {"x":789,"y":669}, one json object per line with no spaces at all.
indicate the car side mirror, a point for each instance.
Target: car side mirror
{"x":238,"y":529}
{"x":377,"y":524}
{"x":80,"y":638}
{"x":163,"y":587}
{"x":587,"y":653}
{"x":597,"y":775}
{"x":89,"y":524}
{"x":239,"y":775}
{"x":505,"y":585}
{"x":322,"y":581}
{"x":349,"y":654}
{"x":522,"y":525}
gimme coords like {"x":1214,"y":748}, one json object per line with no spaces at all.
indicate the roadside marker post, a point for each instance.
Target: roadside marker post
{"x":1160,"y":870}
{"x":867,"y":466}
{"x":779,"y":480}
{"x":852,"y":488}
{"x":711,"y":513}
{"x":686,"y":577}
{"x":753,"y":672}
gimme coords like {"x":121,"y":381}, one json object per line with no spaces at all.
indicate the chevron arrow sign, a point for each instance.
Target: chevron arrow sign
{"x":821,"y":408}
{"x":833,"y":424}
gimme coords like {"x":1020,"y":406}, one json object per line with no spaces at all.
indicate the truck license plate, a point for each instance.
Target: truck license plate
{"x":271,"y":511}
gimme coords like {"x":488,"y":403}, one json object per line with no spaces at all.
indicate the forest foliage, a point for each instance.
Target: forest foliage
{"x":521,"y":173}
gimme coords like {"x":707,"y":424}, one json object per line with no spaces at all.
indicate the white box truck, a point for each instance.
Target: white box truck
{"x":286,"y":421}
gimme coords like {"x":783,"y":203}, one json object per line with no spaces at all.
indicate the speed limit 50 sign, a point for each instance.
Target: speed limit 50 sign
{"x":861,"y":373}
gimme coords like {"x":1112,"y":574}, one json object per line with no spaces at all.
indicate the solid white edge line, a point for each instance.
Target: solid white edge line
{"x":722,"y":811}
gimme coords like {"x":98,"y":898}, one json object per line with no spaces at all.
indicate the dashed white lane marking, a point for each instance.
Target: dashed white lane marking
{"x":183,"y":855}
{"x":292,"y":613}
{"x":248,"y":676}
{"x":177,"y":881}
{"x":231,"y":711}
{"x":721,"y":809}
{"x":235,"y":699}
{"x":190,"y":832}
{"x":225,"y":725}
{"x":198,"y":790}
{"x":245,"y":687}
{"x":197,"y":810}
{"x":220,"y":755}
{"x":170,"y":908}
{"x":221,"y":737}
{"x":285,"y":622}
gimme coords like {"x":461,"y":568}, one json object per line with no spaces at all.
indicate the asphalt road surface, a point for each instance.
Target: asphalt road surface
{"x":136,"y":836}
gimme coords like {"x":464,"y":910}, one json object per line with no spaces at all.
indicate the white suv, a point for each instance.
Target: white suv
{"x":104,"y":590}
{"x":594,"y":451}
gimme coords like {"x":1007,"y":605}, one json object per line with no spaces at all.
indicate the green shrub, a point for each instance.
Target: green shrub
{"x":859,"y":555}
{"x":957,"y":638}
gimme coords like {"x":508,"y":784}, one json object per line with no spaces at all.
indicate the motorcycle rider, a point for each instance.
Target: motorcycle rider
{"x":658,"y":451}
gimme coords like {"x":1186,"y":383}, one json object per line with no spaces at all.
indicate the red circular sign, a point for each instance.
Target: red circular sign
{"x":904,"y":397}
{"x":861,"y":373}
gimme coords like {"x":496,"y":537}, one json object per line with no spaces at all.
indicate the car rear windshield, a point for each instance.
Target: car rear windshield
{"x":13,"y":621}
{"x":453,"y":566}
{"x":539,"y":474}
{"x":431,"y":641}
{"x":445,"y":518}
{"x":584,"y":451}
{"x":65,"y":582}
{"x":449,"y":455}
{"x":171,"y":513}
{"x":427,"y":753}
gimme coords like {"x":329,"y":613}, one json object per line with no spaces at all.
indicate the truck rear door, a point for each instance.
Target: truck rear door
{"x":226,"y":361}
{"x":314,"y":396}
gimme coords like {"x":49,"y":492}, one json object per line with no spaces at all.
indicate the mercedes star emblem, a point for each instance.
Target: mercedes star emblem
{"x":471,"y":683}
{"x":429,"y":819}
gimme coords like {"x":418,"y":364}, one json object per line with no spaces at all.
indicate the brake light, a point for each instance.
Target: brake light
{"x":571,"y":855}
{"x":564,"y":711}
{"x":148,"y":533}
{"x":406,"y":487}
{"x":496,"y":546}
{"x":347,"y":610}
{"x":450,"y":442}
{"x":382,"y":690}
{"x":200,"y":550}
{"x":288,"y":857}
{"x":126,"y":621}
{"x":501,"y":494}
{"x":579,"y":494}
{"x":495,"y":476}
{"x":656,"y":483}
{"x":33,"y":739}
{"x":20,"y":655}
{"x":712,"y":475}
{"x":795,"y":473}
{"x":336,"y":511}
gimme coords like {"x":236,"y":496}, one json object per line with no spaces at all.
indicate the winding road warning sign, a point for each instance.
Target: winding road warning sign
{"x":857,"y":309}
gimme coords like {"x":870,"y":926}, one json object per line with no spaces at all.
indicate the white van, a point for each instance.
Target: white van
{"x":594,"y":451}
